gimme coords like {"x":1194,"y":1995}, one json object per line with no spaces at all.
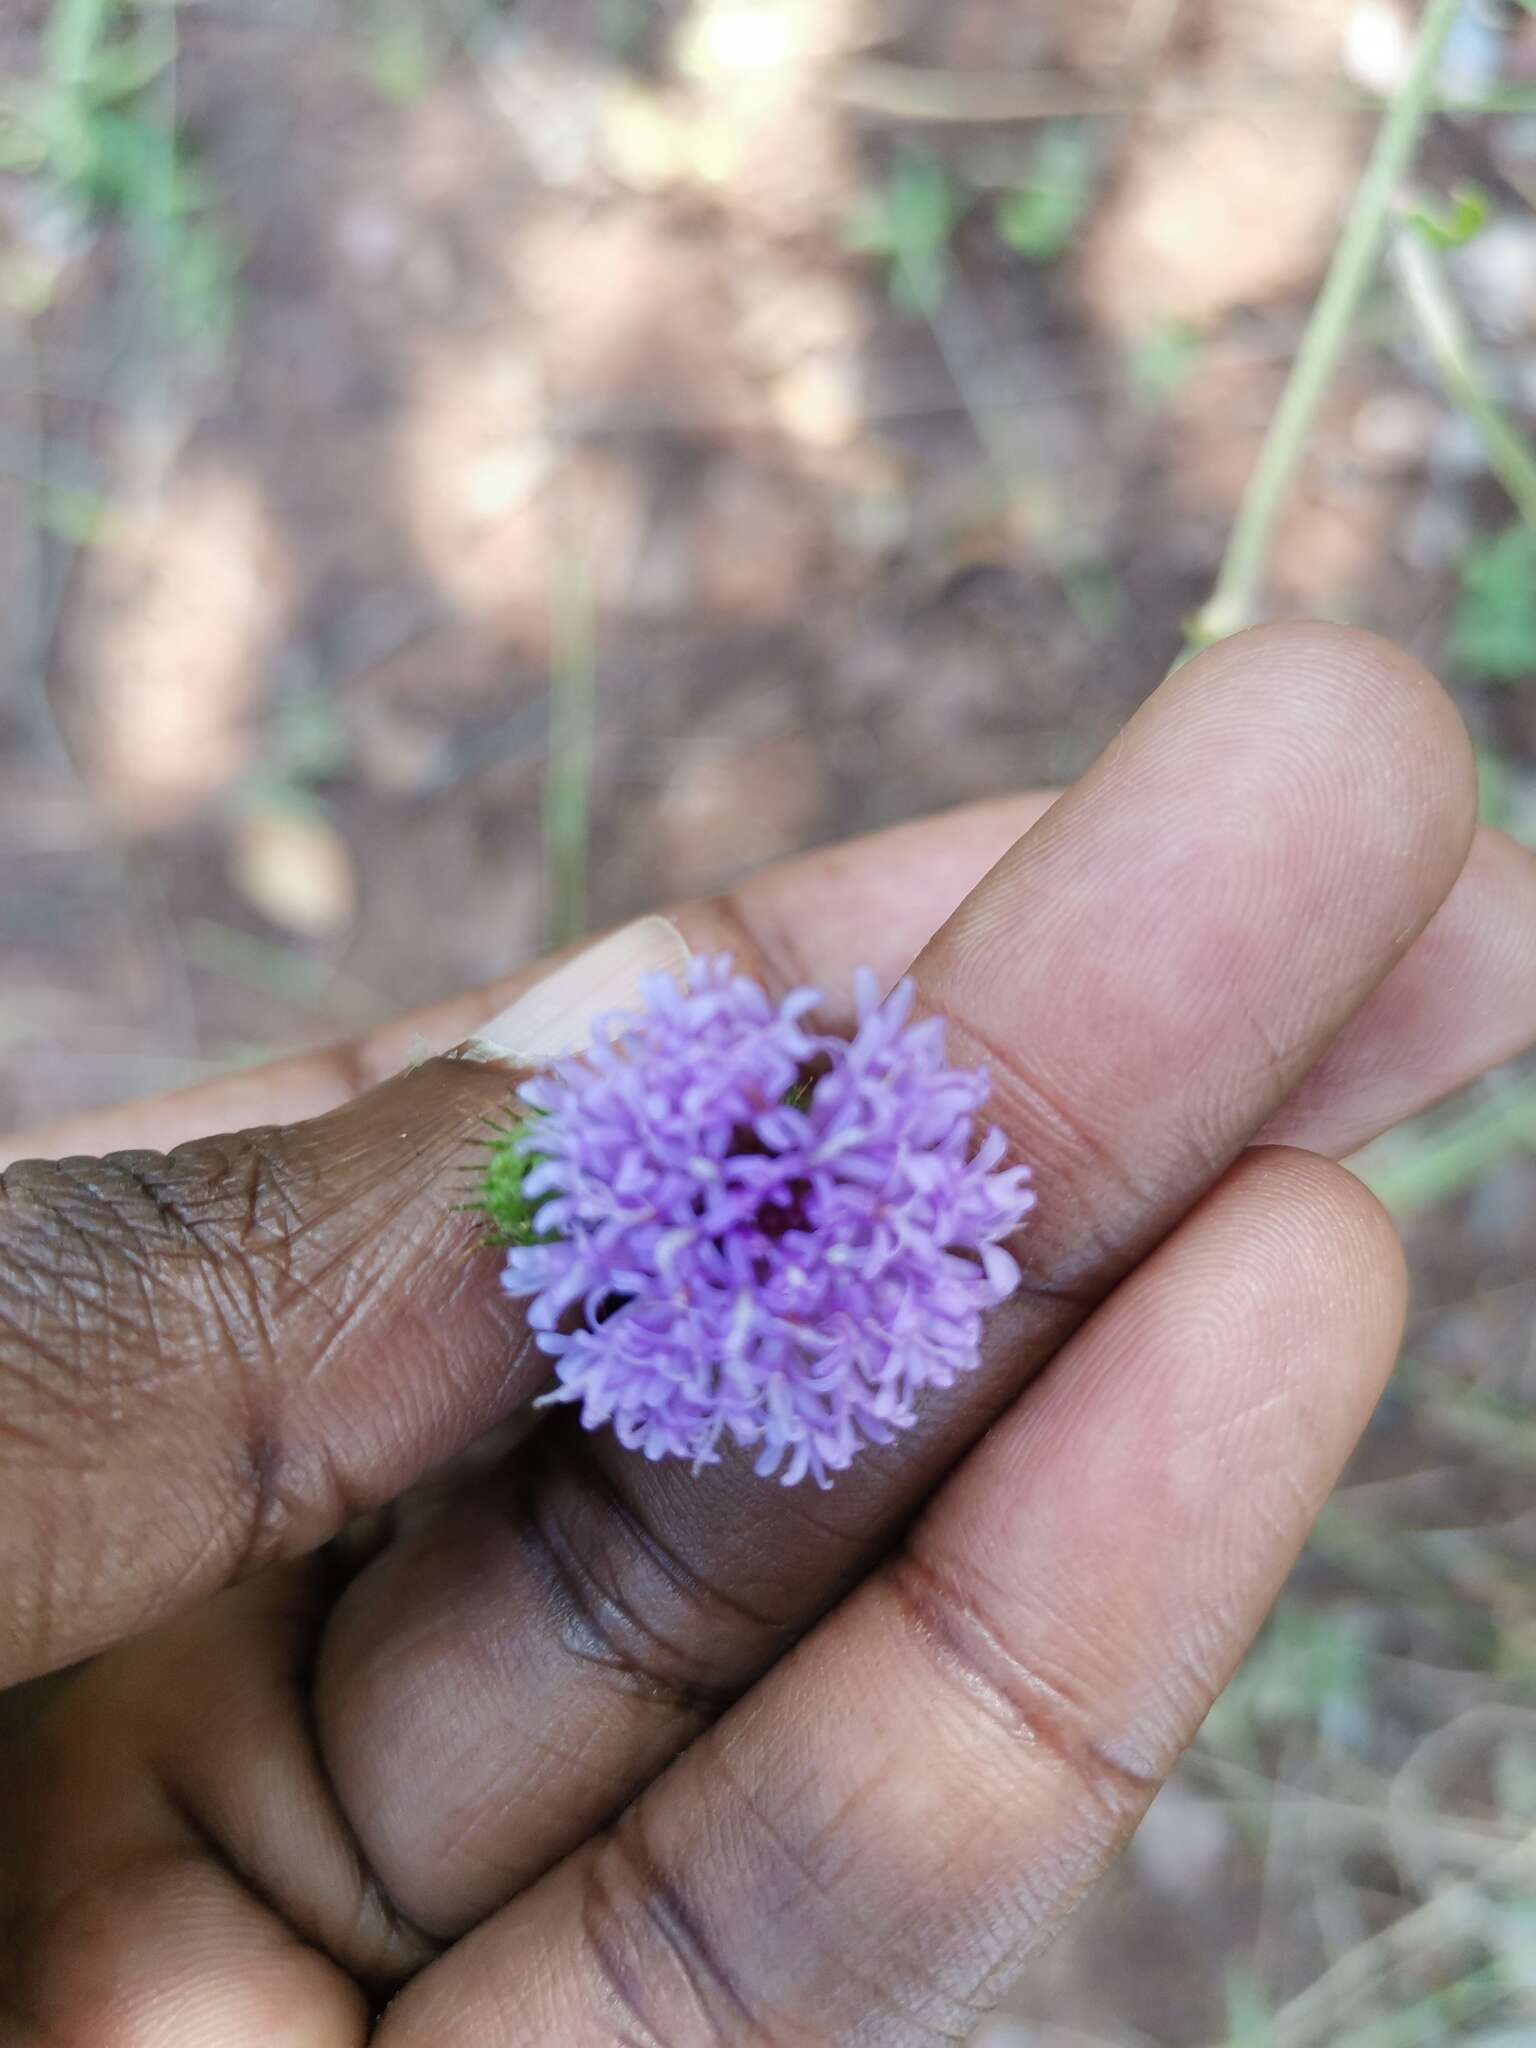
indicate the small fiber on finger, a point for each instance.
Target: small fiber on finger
{"x":731,"y":1227}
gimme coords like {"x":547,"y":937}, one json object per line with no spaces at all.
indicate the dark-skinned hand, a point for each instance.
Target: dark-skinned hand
{"x":575,"y":1751}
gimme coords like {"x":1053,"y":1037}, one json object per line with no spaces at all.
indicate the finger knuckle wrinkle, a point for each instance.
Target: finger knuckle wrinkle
{"x":602,"y":1613}
{"x":656,"y":1953}
{"x":643,"y":1604}
{"x":1088,"y":1170}
{"x":235,"y":1201}
{"x":1032,"y":1106}
{"x":230,"y":1208}
{"x":1098,"y":1198}
{"x":139,"y":1236}
{"x":940,"y":1615}
{"x":122,"y":1275}
{"x":97,"y":1286}
{"x":763,"y":939}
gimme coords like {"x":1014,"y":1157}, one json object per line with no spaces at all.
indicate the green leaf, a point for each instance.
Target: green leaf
{"x":1453,"y":226}
{"x":1039,"y":217}
{"x":100,"y":140}
{"x":909,"y":220}
{"x":131,"y":167}
{"x":1492,"y":637}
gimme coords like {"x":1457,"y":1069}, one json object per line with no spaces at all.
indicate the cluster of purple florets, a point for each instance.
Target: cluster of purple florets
{"x":754,"y":1232}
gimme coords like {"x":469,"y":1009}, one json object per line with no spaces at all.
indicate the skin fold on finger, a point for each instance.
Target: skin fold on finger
{"x":1147,"y":979}
{"x":869,"y":1847}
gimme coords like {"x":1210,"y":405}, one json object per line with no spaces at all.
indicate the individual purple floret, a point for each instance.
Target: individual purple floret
{"x":755,"y":1232}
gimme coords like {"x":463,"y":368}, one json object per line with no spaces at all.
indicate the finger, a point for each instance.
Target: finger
{"x":876,"y":900}
{"x":167,"y":1819}
{"x":1148,"y":977}
{"x":215,"y":1358}
{"x":175,"y":1952}
{"x":1460,"y":1004}
{"x":872,"y":1844}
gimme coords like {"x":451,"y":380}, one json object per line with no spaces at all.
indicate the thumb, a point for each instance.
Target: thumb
{"x":212,"y":1358}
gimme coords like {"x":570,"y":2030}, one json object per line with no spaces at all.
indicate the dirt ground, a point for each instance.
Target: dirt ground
{"x":489,"y":329}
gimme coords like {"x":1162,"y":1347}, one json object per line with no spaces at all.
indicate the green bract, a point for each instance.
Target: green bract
{"x":500,"y":1196}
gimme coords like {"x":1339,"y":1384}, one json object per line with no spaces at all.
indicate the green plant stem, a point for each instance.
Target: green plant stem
{"x":1411,"y":1169}
{"x":1438,"y":1931}
{"x":881,"y":91}
{"x":74,"y":34}
{"x":1443,"y":330}
{"x":568,"y":777}
{"x":1236,"y":600}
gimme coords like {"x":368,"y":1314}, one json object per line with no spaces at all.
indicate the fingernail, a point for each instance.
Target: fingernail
{"x":557,"y":1015}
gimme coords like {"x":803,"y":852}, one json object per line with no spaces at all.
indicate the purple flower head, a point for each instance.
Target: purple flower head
{"x":751,"y":1231}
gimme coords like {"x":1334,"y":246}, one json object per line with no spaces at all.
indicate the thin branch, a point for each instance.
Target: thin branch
{"x":1238,"y":595}
{"x":1444,"y":331}
{"x":1434,"y":1931}
{"x":568,"y":773}
{"x":880,"y":91}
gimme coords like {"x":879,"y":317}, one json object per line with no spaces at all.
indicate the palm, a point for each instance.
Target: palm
{"x":280,"y":1807}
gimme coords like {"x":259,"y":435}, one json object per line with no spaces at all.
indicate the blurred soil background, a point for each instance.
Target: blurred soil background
{"x":472,"y":471}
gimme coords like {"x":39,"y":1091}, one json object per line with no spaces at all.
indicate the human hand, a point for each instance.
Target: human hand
{"x":593,"y":1751}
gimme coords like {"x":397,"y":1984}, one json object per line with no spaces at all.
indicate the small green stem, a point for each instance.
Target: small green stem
{"x":568,"y":775}
{"x":1236,"y":600}
{"x":1444,"y":332}
{"x":75,"y":33}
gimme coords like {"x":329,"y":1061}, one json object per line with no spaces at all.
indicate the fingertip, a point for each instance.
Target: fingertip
{"x":1187,"y":932}
{"x":1337,"y":1263}
{"x":1339,"y":1222}
{"x":1386,"y":720}
{"x":1463,"y":1002}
